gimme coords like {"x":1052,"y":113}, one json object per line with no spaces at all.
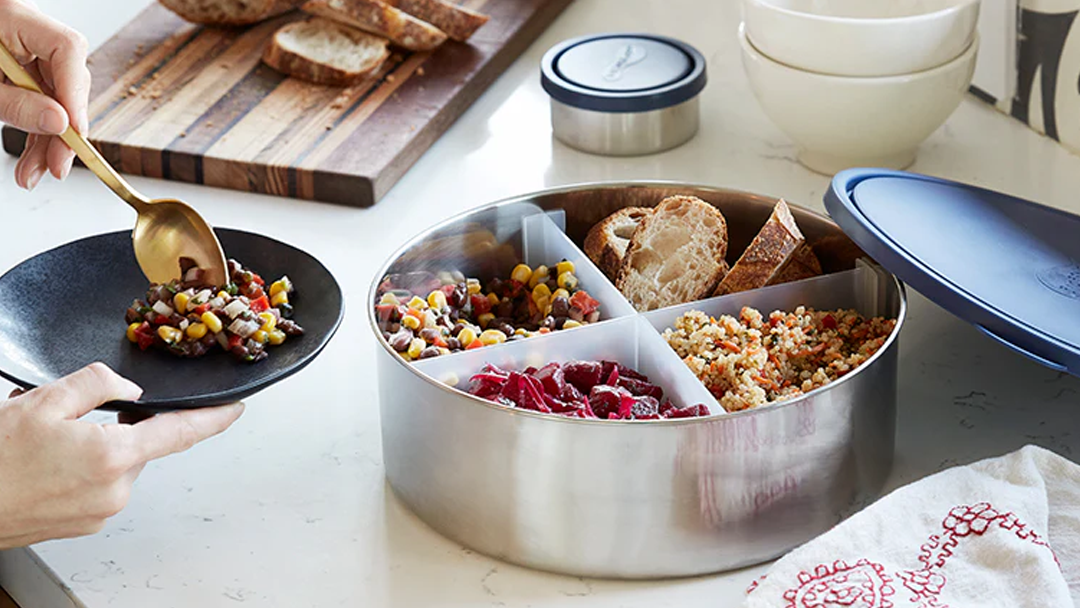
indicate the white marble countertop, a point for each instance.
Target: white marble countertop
{"x":290,"y":507}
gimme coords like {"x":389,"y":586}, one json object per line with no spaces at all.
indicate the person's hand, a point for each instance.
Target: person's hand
{"x":55,"y":55}
{"x":61,"y":477}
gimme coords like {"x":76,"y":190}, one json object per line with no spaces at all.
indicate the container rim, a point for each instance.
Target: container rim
{"x":969,"y":53}
{"x":863,"y":21}
{"x":681,"y":89}
{"x":665,"y":422}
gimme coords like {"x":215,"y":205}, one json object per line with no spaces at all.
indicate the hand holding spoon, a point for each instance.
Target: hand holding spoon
{"x":166,"y":230}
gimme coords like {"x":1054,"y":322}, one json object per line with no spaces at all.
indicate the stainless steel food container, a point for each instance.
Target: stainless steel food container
{"x":623,"y":94}
{"x":644,"y":499}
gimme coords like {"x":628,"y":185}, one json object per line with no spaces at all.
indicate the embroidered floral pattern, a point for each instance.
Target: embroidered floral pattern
{"x":866,"y":585}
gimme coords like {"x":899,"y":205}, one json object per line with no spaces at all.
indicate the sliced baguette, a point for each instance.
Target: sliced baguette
{"x":767,"y":254}
{"x":380,"y":19}
{"x":229,"y":12}
{"x":837,"y":252}
{"x":325,"y":52}
{"x":607,"y":241}
{"x":802,"y":264}
{"x":675,"y":256}
{"x":458,"y":22}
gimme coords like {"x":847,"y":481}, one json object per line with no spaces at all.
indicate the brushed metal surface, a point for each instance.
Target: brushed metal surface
{"x":618,"y":499}
{"x":625,"y":133}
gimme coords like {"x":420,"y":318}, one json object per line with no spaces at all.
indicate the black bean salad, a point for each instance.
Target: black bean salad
{"x":188,"y":319}
{"x":424,"y":315}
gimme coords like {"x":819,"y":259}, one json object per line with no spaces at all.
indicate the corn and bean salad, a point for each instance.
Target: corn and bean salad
{"x":189,"y":319}
{"x":423,"y":315}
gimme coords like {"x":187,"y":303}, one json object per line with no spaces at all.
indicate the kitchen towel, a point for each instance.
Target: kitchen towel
{"x":1003,"y":532}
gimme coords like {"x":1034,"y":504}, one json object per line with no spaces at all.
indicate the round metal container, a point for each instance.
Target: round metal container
{"x":626,"y":499}
{"x":623,"y":94}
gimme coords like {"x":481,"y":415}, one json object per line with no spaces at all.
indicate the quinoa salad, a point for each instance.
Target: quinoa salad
{"x":750,"y":361}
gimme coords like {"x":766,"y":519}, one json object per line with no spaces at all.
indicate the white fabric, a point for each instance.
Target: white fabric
{"x":980,"y":536}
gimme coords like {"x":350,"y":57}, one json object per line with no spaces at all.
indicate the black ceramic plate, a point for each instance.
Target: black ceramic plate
{"x":64,"y":309}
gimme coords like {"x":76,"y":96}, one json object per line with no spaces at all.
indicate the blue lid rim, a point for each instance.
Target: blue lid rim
{"x":642,"y":100}
{"x":1006,"y":329}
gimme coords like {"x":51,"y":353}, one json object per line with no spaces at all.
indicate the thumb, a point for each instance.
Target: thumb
{"x":77,"y":394}
{"x":174,"y":432}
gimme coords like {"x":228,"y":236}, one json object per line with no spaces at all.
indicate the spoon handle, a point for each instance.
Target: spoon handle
{"x":86,"y":152}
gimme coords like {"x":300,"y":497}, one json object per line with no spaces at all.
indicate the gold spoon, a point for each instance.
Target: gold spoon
{"x":167,"y":229}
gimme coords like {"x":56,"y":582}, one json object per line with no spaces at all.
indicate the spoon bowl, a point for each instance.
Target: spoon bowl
{"x":167,"y":231}
{"x":169,"y":235}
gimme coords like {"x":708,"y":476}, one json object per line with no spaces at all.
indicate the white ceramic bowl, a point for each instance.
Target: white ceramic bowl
{"x":861,"y":37}
{"x":840,"y":121}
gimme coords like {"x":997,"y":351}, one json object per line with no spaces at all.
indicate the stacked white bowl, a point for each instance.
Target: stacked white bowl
{"x":859,"y":83}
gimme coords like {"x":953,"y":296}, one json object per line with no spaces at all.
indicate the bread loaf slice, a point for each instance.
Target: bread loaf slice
{"x":837,"y":252}
{"x":767,"y":254}
{"x":675,"y":256}
{"x":380,"y":19}
{"x":457,"y":21}
{"x":325,"y":52}
{"x":229,"y":12}
{"x":802,"y":264}
{"x":607,"y":241}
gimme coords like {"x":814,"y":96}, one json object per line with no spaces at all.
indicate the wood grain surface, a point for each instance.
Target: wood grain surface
{"x":6,"y":601}
{"x":195,"y":104}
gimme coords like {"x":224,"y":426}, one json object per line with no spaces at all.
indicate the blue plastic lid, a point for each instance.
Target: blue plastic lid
{"x":623,"y":72}
{"x":1005,"y":264}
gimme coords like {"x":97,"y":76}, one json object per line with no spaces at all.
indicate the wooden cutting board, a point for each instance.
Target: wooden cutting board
{"x":195,"y":104}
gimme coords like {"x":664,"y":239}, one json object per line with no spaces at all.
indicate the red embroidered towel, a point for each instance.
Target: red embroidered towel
{"x":1003,"y":532}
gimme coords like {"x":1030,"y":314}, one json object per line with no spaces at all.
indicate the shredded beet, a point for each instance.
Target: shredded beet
{"x":580,"y":389}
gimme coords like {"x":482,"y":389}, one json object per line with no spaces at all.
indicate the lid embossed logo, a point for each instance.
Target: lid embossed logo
{"x":627,"y":56}
{"x":1064,"y":280}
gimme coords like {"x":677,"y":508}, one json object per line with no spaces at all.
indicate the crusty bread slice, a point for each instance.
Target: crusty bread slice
{"x":458,"y":22}
{"x":325,"y":52}
{"x":607,"y":241}
{"x":675,"y":256}
{"x":802,"y":264}
{"x":229,"y":12}
{"x":767,"y":254}
{"x":837,"y":252}
{"x":380,"y":19}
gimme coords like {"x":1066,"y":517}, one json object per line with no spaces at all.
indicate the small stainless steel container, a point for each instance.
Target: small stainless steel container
{"x":633,"y":499}
{"x":623,"y":94}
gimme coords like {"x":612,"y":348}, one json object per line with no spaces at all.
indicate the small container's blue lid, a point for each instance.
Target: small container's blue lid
{"x":1007,"y":265}
{"x":623,"y":72}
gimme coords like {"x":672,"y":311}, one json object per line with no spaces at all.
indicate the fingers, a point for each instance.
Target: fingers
{"x":32,"y":112}
{"x":59,"y":158}
{"x":63,"y":48}
{"x":74,"y":395}
{"x":174,"y":432}
{"x":32,"y":164}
